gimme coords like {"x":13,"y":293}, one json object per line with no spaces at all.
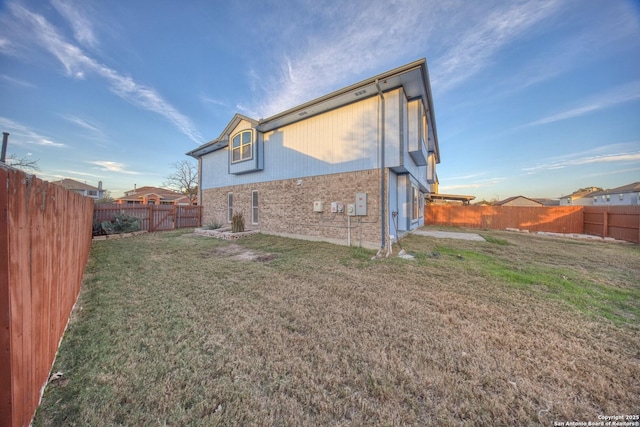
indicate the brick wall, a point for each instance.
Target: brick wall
{"x":287,"y":208}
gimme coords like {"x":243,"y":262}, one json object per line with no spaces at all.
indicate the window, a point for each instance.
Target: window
{"x":254,"y":207}
{"x":242,"y":146}
{"x":416,"y":204}
{"x":229,"y":207}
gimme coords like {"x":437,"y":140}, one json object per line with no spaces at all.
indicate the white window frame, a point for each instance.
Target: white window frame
{"x":255,"y":201}
{"x":230,"y":207}
{"x":240,"y":145}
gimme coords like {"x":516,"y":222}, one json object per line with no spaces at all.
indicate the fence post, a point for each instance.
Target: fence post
{"x":176,"y":217}
{"x":605,"y":225}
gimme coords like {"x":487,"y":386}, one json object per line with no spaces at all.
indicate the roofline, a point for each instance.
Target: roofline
{"x":350,"y":88}
{"x":262,"y":124}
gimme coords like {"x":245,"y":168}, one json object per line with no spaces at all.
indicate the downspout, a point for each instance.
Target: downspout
{"x":382,"y":181}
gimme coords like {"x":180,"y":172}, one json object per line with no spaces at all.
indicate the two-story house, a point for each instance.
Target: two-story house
{"x":350,"y":167}
{"x":95,"y":193}
{"x":627,"y":195}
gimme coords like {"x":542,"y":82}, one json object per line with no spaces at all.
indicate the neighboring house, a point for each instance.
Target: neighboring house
{"x":519,"y":201}
{"x":83,"y":188}
{"x":152,"y":196}
{"x":581,"y":197}
{"x":626,"y":195}
{"x":549,"y":202}
{"x":346,"y":167}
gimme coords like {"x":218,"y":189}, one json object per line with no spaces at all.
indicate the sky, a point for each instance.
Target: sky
{"x":532,"y":97}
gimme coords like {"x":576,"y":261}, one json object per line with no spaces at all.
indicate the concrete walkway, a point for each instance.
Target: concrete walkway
{"x":450,"y":235}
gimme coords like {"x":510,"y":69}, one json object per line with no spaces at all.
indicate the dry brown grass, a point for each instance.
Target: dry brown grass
{"x":179,"y":329}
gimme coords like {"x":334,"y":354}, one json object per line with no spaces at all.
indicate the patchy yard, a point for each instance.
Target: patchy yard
{"x":178,"y":329}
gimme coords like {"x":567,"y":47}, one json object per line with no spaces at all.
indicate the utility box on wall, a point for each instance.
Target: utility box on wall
{"x":318,"y":206}
{"x":361,"y":204}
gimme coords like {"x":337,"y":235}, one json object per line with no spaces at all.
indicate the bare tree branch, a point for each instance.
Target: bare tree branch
{"x":183,"y":179}
{"x":24,"y":163}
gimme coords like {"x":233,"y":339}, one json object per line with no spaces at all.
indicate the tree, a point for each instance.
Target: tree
{"x":107,"y":198}
{"x":183,"y":179}
{"x":23,"y":163}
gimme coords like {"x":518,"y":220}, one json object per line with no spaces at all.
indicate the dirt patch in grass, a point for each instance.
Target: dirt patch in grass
{"x":518,"y":330}
{"x":240,"y":253}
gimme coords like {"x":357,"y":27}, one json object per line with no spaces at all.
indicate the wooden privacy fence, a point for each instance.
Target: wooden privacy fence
{"x":619,"y":222}
{"x":565,"y":219}
{"x":152,"y":217}
{"x":45,"y":238}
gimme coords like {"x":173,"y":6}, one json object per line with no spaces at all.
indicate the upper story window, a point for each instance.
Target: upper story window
{"x":242,"y":146}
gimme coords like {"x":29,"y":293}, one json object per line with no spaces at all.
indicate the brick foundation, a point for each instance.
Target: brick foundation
{"x":286,"y":208}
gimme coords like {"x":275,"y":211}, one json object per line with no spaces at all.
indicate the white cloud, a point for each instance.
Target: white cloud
{"x":77,"y":64}
{"x":361,"y":37}
{"x":612,"y":153}
{"x":22,"y":135}
{"x":622,"y":94}
{"x":109,"y":166}
{"x":366,"y":38}
{"x":80,"y":122}
{"x":82,"y":28}
{"x":16,"y":81}
{"x":480,"y":43}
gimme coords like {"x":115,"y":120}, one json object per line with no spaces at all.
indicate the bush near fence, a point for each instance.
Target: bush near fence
{"x":151,"y":217}
{"x":619,"y":222}
{"x":45,"y":238}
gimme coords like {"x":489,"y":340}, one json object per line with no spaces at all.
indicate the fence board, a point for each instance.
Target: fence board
{"x":552,"y":219}
{"x":45,"y":239}
{"x":619,"y":222}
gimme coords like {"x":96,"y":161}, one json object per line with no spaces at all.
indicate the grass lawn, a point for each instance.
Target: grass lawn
{"x":177,"y":329}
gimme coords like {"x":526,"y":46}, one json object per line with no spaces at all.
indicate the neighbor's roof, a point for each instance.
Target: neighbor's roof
{"x":164,"y":193}
{"x":629,"y":188}
{"x":510,"y":199}
{"x":413,"y":77}
{"x":580,"y":194}
{"x":72,"y":184}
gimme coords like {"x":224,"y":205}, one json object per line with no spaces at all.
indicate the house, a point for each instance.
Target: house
{"x":83,"y":188}
{"x":153,"y":196}
{"x":350,"y":167}
{"x":580,"y":197}
{"x":626,"y":195}
{"x":519,"y":201}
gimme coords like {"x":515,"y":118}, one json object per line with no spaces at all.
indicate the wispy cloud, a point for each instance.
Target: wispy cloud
{"x":613,"y":153}
{"x":16,"y":81}
{"x":474,"y":185}
{"x":81,"y":122}
{"x":365,"y":37}
{"x":477,"y":47}
{"x":109,"y":166}
{"x":620,"y":95}
{"x":82,"y":28}
{"x":76,"y":64}
{"x":22,"y":135}
{"x":322,"y":60}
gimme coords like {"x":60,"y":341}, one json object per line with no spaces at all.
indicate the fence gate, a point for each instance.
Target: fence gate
{"x":162,"y":217}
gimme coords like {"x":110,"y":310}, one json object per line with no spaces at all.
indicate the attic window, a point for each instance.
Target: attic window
{"x":242,"y":146}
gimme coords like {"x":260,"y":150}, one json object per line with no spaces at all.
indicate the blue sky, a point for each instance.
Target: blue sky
{"x":535,"y":98}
